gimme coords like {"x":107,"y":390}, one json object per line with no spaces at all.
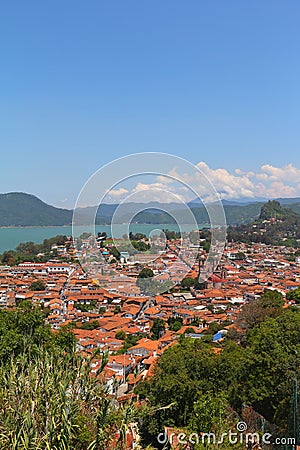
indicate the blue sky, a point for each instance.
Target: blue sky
{"x":83,"y":83}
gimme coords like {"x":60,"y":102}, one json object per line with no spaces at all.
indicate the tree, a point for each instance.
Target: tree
{"x":183,"y":370}
{"x":202,"y":384}
{"x":129,"y":341}
{"x":209,"y":413}
{"x":195,"y":322}
{"x":140,"y":246}
{"x":294,"y":295}
{"x":256,"y":311}
{"x":146,"y":272}
{"x":176,"y":326}
{"x":158,"y":328}
{"x":22,"y":328}
{"x":271,"y":209}
{"x":117,"y":309}
{"x":85,"y":307}
{"x":65,"y":339}
{"x":189,"y":330}
{"x":175,"y":323}
{"x":28,"y":251}
{"x":171,"y":235}
{"x":145,"y":282}
{"x":115,"y":252}
{"x":267,"y":381}
{"x":91,"y":325}
{"x":26,"y":247}
{"x":187,"y":283}
{"x":121,"y":335}
{"x":37,"y":286}
{"x":213,"y":327}
{"x":272,"y":299}
{"x":8,"y":258}
{"x":136,"y":236}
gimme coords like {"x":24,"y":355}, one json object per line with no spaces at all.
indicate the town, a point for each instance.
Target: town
{"x":112,"y":312}
{"x":138,"y":314}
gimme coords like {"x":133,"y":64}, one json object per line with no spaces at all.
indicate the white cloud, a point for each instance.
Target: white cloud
{"x":159,"y":192}
{"x":276,"y":189}
{"x":117,"y":192}
{"x":288,"y":173}
{"x":164,"y":179}
{"x":227,"y":184}
{"x":269,"y":182}
{"x":146,"y":187}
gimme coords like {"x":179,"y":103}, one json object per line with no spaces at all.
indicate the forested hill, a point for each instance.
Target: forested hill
{"x":20,"y":209}
{"x":275,"y":225}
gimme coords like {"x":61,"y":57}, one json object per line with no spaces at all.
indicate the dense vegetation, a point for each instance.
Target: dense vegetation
{"x":29,"y":251}
{"x":49,"y":399}
{"x":234,"y":214}
{"x":276,"y":225}
{"x":19,"y":209}
{"x":204,"y":388}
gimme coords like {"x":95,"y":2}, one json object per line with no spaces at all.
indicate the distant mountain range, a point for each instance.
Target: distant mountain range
{"x":21,"y":209}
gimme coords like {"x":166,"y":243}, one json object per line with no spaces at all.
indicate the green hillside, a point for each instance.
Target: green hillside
{"x":20,"y":209}
{"x":235,"y":214}
{"x":275,"y":225}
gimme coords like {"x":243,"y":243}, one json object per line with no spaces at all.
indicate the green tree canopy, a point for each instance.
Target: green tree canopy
{"x":259,"y":373}
{"x":146,"y":272}
{"x":121,"y":335}
{"x":158,"y":328}
{"x":294,"y":294}
{"x":38,"y":285}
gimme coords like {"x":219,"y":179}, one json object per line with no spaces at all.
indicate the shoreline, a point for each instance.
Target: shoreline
{"x":16,"y":227}
{"x":3,"y":227}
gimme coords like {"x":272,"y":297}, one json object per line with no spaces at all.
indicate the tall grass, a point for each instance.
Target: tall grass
{"x":52,"y":402}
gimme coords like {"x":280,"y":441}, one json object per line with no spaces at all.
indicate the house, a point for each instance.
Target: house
{"x":121,"y":364}
{"x":145,"y":347}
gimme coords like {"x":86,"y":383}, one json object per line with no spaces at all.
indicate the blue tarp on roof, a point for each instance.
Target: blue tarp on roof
{"x":218,"y":336}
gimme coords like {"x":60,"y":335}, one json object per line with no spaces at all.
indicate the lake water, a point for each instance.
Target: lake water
{"x":11,"y":237}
